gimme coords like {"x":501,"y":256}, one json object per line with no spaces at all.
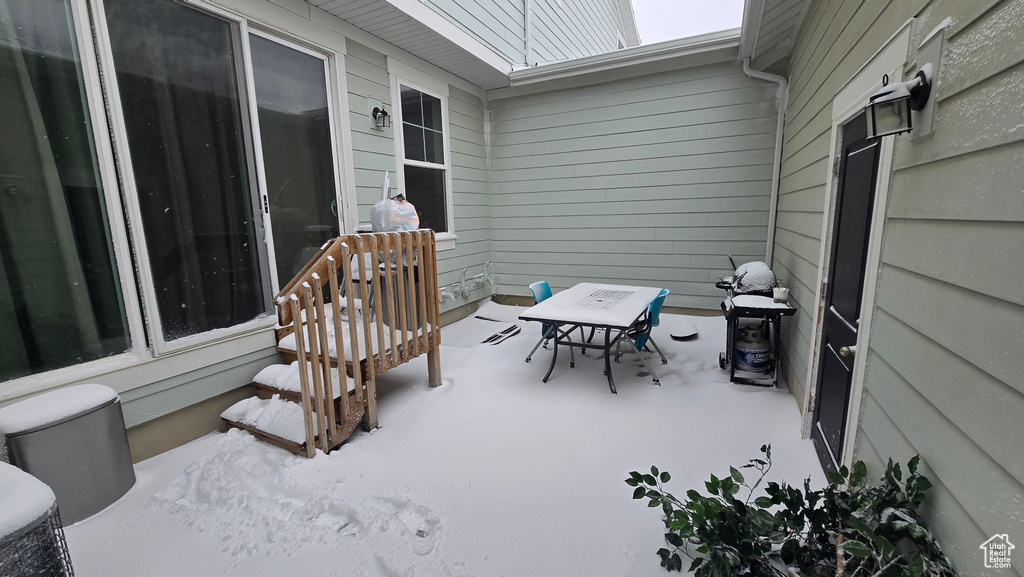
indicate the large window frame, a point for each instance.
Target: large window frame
{"x":404,"y":75}
{"x":150,"y":358}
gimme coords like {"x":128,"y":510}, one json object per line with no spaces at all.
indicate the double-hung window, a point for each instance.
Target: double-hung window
{"x":421,"y":141}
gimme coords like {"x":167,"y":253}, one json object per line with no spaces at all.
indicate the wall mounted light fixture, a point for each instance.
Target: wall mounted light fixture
{"x":889,"y":108}
{"x":381,"y":117}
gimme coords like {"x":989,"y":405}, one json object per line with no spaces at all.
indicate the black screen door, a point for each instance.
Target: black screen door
{"x":858,"y":172}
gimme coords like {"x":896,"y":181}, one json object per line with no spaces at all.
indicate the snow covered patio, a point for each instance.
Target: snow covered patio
{"x":494,"y":473}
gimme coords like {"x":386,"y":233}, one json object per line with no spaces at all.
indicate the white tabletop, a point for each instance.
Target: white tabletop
{"x":605,"y":305}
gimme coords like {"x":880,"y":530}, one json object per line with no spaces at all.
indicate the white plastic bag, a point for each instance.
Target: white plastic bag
{"x":390,"y":215}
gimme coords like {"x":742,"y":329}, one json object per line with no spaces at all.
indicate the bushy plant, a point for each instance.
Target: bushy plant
{"x":849,"y":528}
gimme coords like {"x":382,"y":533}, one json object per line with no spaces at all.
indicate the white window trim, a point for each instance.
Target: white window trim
{"x":403,"y":75}
{"x":144,"y":364}
{"x":137,"y":351}
{"x":133,"y":212}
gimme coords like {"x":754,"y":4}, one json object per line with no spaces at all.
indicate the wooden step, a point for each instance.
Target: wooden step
{"x":281,"y":422}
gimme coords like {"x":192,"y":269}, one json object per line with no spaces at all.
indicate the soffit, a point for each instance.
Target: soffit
{"x":628,"y":19}
{"x":475,"y":63}
{"x":769,"y":29}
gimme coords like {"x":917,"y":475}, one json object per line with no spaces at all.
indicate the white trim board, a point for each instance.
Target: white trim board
{"x":846,"y":104}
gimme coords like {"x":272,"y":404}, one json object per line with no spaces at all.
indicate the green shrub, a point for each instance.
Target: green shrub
{"x":849,"y":528}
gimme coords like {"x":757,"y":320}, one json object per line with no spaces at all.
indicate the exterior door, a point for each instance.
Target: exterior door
{"x":299,"y":178}
{"x":858,"y":173}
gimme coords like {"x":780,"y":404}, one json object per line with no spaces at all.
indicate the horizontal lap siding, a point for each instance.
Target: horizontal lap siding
{"x":496,"y":23}
{"x":565,"y":29}
{"x":649,"y":180}
{"x":943,"y":376}
{"x":374,"y":152}
{"x":469,"y":195}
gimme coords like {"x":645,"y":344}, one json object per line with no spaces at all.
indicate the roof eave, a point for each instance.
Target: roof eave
{"x":725,"y":42}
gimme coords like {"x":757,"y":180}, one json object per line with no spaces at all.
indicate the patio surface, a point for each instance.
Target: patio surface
{"x":494,"y":473}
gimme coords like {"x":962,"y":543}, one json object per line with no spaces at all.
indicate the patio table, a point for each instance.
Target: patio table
{"x":614,"y":308}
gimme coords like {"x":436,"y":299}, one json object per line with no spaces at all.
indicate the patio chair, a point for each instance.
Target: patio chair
{"x":639,"y":335}
{"x":542,"y":291}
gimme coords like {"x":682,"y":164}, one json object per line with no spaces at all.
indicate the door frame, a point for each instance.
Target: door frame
{"x":327,"y":58}
{"x":848,"y":103}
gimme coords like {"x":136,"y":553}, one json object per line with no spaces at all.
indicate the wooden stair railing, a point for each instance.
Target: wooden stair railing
{"x":390,"y":325}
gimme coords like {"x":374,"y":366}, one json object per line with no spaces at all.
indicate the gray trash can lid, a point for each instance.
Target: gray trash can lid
{"x":24,"y":500}
{"x":53,"y":408}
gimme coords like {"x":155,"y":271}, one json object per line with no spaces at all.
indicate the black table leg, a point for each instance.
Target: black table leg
{"x":554,"y":357}
{"x":607,"y":360}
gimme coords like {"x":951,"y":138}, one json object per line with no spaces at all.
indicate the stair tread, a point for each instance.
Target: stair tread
{"x":275,"y":416}
{"x":286,"y":378}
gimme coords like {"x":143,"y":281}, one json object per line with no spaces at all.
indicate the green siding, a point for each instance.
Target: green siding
{"x":651,"y":179}
{"x":942,"y":375}
{"x":374,"y":152}
{"x":565,"y":29}
{"x":559,"y":29}
{"x":497,"y":23}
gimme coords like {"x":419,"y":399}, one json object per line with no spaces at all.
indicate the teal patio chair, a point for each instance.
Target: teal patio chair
{"x":541,"y":292}
{"x":639,"y":335}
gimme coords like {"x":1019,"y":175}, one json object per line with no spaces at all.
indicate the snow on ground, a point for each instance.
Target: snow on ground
{"x":492,"y":474}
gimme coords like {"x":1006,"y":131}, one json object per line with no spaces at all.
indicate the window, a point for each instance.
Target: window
{"x":220,"y":137}
{"x":422,"y":117}
{"x":178,"y":85}
{"x":60,"y":295}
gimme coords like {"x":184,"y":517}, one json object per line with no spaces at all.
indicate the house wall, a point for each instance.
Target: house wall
{"x":650,"y":179}
{"x":941,"y":377}
{"x":559,"y":29}
{"x":152,"y":386}
{"x":564,"y":29}
{"x":374,"y":152}
{"x":500,"y":24}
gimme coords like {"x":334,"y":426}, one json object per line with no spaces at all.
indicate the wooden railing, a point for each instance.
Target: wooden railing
{"x":394,"y":277}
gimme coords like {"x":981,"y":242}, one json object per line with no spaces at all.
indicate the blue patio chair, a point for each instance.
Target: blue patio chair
{"x":639,"y":335}
{"x":542,"y":291}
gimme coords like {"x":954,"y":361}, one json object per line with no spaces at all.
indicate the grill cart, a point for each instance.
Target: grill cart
{"x":753,"y":331}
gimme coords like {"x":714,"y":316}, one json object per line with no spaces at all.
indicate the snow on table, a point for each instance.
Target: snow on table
{"x":594,"y":304}
{"x":23,"y":499}
{"x":53,"y":407}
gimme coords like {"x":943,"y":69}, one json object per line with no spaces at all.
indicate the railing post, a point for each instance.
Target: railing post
{"x":300,"y":353}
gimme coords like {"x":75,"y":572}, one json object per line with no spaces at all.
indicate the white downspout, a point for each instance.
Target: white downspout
{"x":783,"y":98}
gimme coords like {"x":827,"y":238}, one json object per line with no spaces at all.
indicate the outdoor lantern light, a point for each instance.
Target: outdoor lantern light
{"x":889,"y":108}
{"x":381,"y":116}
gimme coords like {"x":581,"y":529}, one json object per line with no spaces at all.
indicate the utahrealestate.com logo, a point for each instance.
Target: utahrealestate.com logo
{"x":997,"y":551}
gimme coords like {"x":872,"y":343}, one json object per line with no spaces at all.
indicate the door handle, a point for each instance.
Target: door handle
{"x":848,"y":351}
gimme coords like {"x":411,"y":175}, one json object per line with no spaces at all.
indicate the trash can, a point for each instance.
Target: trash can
{"x":390,"y":309}
{"x":74,"y":440}
{"x":31,"y":535}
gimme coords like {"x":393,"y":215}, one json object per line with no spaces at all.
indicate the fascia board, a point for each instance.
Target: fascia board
{"x":726,"y":42}
{"x":428,"y":17}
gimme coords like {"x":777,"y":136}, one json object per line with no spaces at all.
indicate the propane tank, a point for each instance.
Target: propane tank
{"x":752,"y":349}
